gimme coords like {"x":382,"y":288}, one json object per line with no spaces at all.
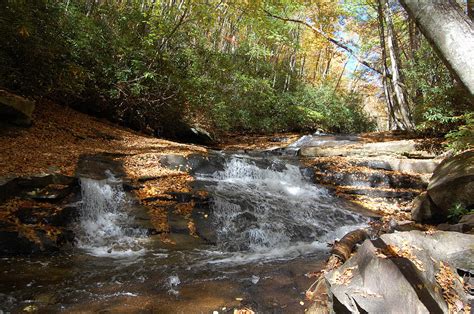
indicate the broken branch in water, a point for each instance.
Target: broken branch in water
{"x":341,"y":252}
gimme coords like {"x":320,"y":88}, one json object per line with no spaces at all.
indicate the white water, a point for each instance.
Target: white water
{"x":103,"y":228}
{"x":319,"y":139}
{"x":266,"y":214}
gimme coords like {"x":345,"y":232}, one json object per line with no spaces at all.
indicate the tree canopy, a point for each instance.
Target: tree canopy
{"x":254,"y":66}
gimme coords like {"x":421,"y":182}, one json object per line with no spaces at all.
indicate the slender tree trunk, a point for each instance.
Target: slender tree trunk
{"x":470,"y":9}
{"x":402,"y":110}
{"x":450,"y":32}
{"x":328,"y":64}
{"x":316,"y":65}
{"x":355,"y":79}
{"x":415,"y":39}
{"x":303,"y":64}
{"x":391,"y":121}
{"x":342,"y":73}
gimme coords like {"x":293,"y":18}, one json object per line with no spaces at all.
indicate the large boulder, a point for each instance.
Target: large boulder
{"x":15,"y":109}
{"x":452,"y":183}
{"x":194,"y":134}
{"x":414,"y":267}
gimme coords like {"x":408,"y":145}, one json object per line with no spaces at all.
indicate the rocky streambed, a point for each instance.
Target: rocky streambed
{"x":250,"y":232}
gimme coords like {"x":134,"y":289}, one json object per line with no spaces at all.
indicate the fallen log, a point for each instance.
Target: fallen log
{"x":343,"y":248}
{"x":340,"y":252}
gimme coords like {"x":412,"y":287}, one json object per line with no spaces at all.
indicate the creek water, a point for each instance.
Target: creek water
{"x":266,"y":227}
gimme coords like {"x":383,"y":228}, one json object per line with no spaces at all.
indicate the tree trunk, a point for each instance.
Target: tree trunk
{"x":340,"y":75}
{"x":386,"y":87}
{"x":450,"y":32}
{"x":402,"y":110}
{"x":470,"y":9}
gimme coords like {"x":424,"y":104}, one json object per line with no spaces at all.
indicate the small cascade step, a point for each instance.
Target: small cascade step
{"x":349,"y":173}
{"x":404,"y":194}
{"x":111,"y":223}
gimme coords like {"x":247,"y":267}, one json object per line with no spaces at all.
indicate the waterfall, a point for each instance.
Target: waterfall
{"x":257,"y":209}
{"x":104,"y":225}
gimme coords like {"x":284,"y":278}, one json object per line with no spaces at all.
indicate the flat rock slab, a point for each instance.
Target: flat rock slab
{"x":421,"y":166}
{"x":99,"y":167}
{"x":376,"y":283}
{"x":194,"y":163}
{"x":394,"y":148}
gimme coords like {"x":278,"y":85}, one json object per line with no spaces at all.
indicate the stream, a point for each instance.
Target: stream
{"x":265,"y":227}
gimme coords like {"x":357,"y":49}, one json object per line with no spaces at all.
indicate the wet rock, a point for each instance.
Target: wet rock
{"x":11,"y":242}
{"x":245,"y":221}
{"x":452,"y":183}
{"x":370,"y":179}
{"x":99,"y":167}
{"x":46,"y":298}
{"x":205,"y":227}
{"x":51,"y":193}
{"x":32,"y":186}
{"x":177,"y":223}
{"x":15,"y":109}
{"x":279,"y":139}
{"x":194,"y":163}
{"x":406,"y":195}
{"x":175,"y":162}
{"x":15,"y":242}
{"x":64,"y":217}
{"x":373,"y":282}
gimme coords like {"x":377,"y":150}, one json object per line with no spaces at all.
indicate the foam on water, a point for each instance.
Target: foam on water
{"x":305,"y":139}
{"x":267,"y":213}
{"x":104,"y":225}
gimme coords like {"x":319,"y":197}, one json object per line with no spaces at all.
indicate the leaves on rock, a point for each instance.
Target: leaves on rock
{"x":344,"y":278}
{"x":448,"y":280}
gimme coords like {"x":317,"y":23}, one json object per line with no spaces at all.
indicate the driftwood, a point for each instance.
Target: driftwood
{"x":343,"y":249}
{"x":341,"y":252}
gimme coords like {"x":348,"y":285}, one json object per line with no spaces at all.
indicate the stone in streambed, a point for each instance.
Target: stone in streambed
{"x":205,"y":227}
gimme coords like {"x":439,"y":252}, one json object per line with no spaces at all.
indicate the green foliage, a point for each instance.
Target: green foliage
{"x":463,"y":137}
{"x":156,"y":66}
{"x":441,"y":104}
{"x":325,"y":109}
{"x":456,"y":212}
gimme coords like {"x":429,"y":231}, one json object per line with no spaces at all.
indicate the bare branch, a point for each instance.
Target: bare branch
{"x":333,"y":40}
